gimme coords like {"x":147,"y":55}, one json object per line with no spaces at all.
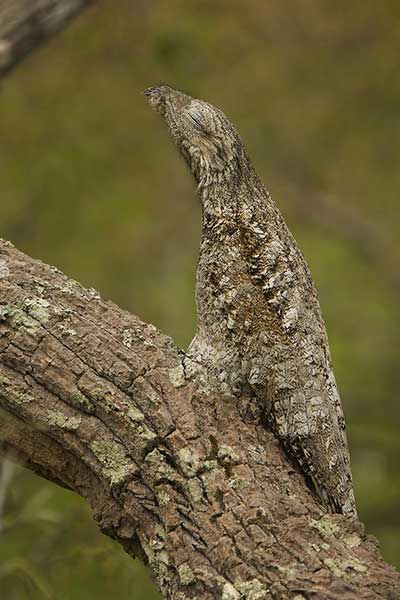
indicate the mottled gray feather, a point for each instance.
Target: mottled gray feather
{"x":259,"y":321}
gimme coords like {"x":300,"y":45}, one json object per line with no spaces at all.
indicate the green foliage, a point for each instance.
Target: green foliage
{"x":91,"y":183}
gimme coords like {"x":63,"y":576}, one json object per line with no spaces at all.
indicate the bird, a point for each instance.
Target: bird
{"x":259,"y":322}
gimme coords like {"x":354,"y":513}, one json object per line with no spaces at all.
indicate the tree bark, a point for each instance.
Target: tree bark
{"x":96,"y":400}
{"x":25,"y":24}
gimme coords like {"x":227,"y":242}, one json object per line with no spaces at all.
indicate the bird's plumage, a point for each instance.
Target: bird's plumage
{"x":259,"y":321}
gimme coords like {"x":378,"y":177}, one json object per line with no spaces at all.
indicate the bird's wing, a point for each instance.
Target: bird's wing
{"x":304,"y":408}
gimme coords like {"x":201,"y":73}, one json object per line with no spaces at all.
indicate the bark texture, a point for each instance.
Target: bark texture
{"x":96,"y":400}
{"x":25,"y":24}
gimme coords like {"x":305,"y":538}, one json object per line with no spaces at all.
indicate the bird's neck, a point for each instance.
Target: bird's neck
{"x":219,"y":204}
{"x":229,"y":201}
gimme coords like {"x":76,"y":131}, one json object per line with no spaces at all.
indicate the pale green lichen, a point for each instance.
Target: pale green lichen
{"x":113,"y":458}
{"x":334,"y":567}
{"x":188,"y":461}
{"x":159,"y":467}
{"x":155,"y":457}
{"x":326,"y":525}
{"x":66,"y":330}
{"x":229,"y":592}
{"x":163,"y":498}
{"x":28,"y":314}
{"x":70,"y":286}
{"x":160,"y":532}
{"x":58,"y":419}
{"x":356,"y":565}
{"x":135,"y":415}
{"x":311,"y":548}
{"x":159,"y":569}
{"x":210,"y":480}
{"x":61,"y":310}
{"x":156,"y":553}
{"x":146,"y":434}
{"x":237,"y":483}
{"x":352,"y":540}
{"x":177,"y":376}
{"x":82,"y":402}
{"x":94,"y":293}
{"x":205,"y":387}
{"x":99,"y":396}
{"x":209,"y":465}
{"x":227,"y":456}
{"x":156,"y":543}
{"x":252,"y":590}
{"x":195,"y":490}
{"x":12,"y":395}
{"x":186,"y":574}
{"x":163,"y":557}
{"x":38,"y":308}
{"x":148,"y":550}
{"x":127,"y":337}
{"x":18,"y":318}
{"x":325,"y":546}
{"x":343,"y":568}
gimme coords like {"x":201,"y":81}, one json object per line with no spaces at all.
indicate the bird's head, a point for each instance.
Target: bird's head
{"x":208,"y":141}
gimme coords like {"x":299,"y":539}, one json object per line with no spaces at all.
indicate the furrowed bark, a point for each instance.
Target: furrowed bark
{"x":96,"y":400}
{"x":25,"y":24}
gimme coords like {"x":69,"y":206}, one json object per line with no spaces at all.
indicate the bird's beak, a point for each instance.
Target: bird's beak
{"x":151,"y":91}
{"x":157,"y":97}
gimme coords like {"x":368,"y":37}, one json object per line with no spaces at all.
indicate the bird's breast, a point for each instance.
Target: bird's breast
{"x":231,"y":307}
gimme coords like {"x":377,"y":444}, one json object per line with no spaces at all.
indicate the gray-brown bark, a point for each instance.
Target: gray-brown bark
{"x":96,"y":400}
{"x":25,"y":24}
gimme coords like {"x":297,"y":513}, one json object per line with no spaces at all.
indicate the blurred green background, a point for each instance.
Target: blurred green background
{"x":90,"y":182}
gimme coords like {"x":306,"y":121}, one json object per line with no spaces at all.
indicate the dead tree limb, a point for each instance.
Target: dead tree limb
{"x":96,"y":400}
{"x":25,"y":24}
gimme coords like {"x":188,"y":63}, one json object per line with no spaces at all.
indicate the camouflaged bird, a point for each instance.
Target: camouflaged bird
{"x":259,"y":321}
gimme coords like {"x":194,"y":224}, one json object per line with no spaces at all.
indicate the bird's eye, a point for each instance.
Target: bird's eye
{"x":197,"y":119}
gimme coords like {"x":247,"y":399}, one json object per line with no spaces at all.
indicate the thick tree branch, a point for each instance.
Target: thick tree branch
{"x":25,"y":24}
{"x":96,"y":400}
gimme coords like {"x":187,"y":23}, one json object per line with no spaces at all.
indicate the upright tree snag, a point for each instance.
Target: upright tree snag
{"x":96,"y":400}
{"x":25,"y":24}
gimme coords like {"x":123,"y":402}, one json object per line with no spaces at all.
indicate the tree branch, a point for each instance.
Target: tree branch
{"x":96,"y":400}
{"x":25,"y":24}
